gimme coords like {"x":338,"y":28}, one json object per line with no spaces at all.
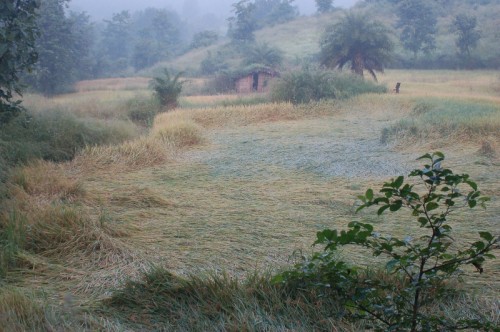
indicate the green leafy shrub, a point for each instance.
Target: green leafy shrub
{"x":419,"y":267}
{"x":167,"y":89}
{"x":313,"y":84}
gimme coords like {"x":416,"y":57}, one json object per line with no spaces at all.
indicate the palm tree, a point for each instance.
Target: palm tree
{"x":167,"y":89}
{"x":357,"y":41}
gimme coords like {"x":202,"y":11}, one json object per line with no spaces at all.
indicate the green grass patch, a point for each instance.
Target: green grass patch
{"x":55,"y":135}
{"x":219,"y":302}
{"x":314,"y":84}
{"x":434,"y":118}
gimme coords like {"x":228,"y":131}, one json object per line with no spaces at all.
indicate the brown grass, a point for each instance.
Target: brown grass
{"x":114,"y":84}
{"x":177,"y":130}
{"x":129,"y":156}
{"x":20,"y":313}
{"x":45,"y":179}
{"x":232,"y":116}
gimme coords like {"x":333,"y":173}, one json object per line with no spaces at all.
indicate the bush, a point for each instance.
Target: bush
{"x":418,"y":267}
{"x":55,"y":135}
{"x":314,"y":84}
{"x":143,"y":110}
{"x":167,"y":89}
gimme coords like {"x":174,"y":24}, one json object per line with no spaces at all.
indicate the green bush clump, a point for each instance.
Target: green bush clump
{"x":143,"y":110}
{"x":55,"y":135}
{"x":167,"y":89}
{"x":314,"y":84}
{"x":418,"y":267}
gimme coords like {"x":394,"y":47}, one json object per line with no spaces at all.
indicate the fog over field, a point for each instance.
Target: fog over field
{"x":188,"y":8}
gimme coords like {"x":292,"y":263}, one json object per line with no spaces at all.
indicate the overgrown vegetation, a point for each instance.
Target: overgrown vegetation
{"x":420,"y":264}
{"x":313,"y":84}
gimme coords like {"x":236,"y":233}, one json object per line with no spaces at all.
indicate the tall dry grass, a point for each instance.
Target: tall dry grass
{"x":129,"y":156}
{"x":177,"y":130}
{"x":57,"y":218}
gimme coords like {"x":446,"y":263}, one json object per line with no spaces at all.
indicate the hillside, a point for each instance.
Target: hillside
{"x":299,"y":39}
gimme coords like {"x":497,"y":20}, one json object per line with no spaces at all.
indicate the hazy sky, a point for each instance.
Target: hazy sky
{"x":100,"y":9}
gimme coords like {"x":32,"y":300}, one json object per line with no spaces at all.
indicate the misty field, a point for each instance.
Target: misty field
{"x":231,"y":191}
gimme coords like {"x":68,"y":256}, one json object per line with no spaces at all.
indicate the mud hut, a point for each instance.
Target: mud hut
{"x":257,"y":80}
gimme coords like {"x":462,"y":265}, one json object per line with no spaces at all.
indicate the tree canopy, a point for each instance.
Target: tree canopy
{"x":63,"y":48}
{"x":468,"y":35}
{"x":18,"y":33}
{"x":324,"y":6}
{"x":356,"y":41}
{"x":418,"y":20}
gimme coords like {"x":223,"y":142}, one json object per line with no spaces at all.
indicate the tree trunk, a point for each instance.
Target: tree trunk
{"x":358,"y":65}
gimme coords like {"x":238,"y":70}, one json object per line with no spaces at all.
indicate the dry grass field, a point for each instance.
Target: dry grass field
{"x":233,"y":189}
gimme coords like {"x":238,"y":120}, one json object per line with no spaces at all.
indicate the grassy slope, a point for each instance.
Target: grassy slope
{"x":225,"y":188}
{"x":299,"y":39}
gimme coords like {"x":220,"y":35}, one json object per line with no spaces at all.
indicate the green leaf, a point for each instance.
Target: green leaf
{"x":472,"y":203}
{"x":472,"y":184}
{"x":399,"y":182}
{"x":423,"y":221}
{"x":425,"y":156}
{"x":392,"y":264}
{"x":360,"y":208}
{"x":382,"y":209}
{"x":431,"y":206}
{"x":396,"y":205}
{"x":486,"y":235}
{"x":369,"y":194}
{"x":438,"y":154}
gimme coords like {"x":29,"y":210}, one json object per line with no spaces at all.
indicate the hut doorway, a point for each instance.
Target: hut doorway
{"x":255,"y":84}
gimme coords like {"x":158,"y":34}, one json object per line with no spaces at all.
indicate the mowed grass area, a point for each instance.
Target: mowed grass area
{"x":227,"y":189}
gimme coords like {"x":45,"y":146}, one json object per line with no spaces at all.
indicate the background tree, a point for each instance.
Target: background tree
{"x":116,"y":42}
{"x":204,"y":38}
{"x":358,"y":41}
{"x":418,"y":21}
{"x":324,"y":6}
{"x":156,"y":34}
{"x":271,"y":12}
{"x":468,"y":35}
{"x":63,"y":48}
{"x":213,"y":64}
{"x":242,"y":25}
{"x":17,"y":51}
{"x":264,"y":55}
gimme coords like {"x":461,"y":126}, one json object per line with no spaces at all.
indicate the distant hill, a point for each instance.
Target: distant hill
{"x":299,"y":39}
